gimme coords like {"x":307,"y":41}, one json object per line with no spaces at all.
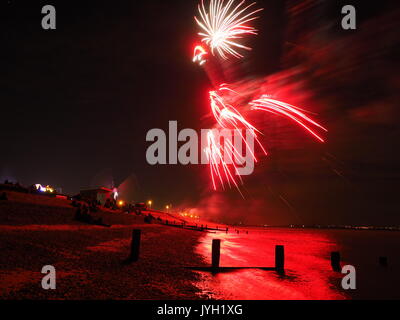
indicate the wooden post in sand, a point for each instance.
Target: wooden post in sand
{"x":135,"y":245}
{"x":335,"y":261}
{"x":280,"y":258}
{"x":215,"y":253}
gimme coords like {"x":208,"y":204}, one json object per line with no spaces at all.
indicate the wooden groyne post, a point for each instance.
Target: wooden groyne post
{"x":279,"y":258}
{"x":135,"y":246}
{"x":215,"y":253}
{"x":335,"y":261}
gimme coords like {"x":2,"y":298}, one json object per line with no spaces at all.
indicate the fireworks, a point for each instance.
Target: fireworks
{"x":224,"y":165}
{"x":228,"y":116}
{"x":289,"y":111}
{"x":198,"y":55}
{"x":223,"y":24}
{"x":218,"y":165}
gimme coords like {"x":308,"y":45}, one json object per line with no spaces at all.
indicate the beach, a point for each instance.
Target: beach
{"x":89,"y":260}
{"x":308,"y":272}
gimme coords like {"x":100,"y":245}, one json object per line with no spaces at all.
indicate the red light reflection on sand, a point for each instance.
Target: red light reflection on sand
{"x":307,"y":264}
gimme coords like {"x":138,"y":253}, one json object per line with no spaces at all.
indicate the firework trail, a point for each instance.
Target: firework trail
{"x":224,"y":24}
{"x":228,"y":117}
{"x":198,"y":55}
{"x":218,"y":165}
{"x":289,"y":111}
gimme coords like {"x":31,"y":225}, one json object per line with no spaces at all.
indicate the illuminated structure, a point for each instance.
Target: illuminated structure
{"x":46,"y":189}
{"x":98,"y":194}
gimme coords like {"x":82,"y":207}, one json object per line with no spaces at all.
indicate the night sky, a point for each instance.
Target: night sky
{"x":78,"y":101}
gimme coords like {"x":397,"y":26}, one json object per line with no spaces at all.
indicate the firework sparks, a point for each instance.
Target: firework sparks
{"x":228,"y":117}
{"x":218,"y":166}
{"x":289,"y":111}
{"x":223,"y":24}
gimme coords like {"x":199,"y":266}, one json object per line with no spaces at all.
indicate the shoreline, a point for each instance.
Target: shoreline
{"x":89,"y":259}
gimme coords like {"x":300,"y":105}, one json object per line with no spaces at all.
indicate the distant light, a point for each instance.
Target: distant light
{"x":120,"y":202}
{"x":115,"y":191}
{"x":40,"y":188}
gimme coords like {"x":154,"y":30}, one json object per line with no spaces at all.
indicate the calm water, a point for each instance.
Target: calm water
{"x":308,"y":273}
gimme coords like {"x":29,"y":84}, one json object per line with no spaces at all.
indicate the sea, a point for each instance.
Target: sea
{"x":308,"y":274}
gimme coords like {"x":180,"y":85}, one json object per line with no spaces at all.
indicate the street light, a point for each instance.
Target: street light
{"x":149,"y":203}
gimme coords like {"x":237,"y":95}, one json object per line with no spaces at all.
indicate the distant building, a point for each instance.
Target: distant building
{"x":99,"y":194}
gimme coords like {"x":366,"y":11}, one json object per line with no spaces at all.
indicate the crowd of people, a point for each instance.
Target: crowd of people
{"x":85,"y":208}
{"x":83,"y":214}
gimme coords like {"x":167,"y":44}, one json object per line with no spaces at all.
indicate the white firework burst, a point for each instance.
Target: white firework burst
{"x":224,"y":23}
